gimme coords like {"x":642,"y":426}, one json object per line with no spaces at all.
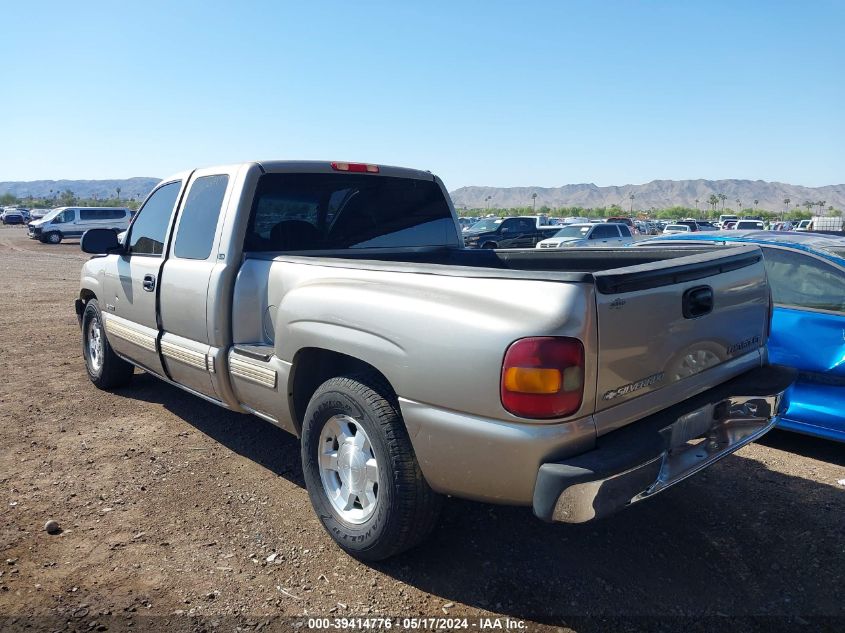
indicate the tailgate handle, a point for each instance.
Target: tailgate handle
{"x":697,"y":302}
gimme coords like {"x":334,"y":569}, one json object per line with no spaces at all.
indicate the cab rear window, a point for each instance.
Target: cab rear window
{"x":301,"y":212}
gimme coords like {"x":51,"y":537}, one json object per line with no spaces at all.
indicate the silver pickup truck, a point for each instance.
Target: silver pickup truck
{"x":336,"y":301}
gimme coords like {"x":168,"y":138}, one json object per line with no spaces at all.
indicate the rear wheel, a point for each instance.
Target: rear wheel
{"x":105,"y":368}
{"x":362,"y":476}
{"x":54,"y":237}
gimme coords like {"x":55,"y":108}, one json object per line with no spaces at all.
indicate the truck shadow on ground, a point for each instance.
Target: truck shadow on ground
{"x":737,"y":541}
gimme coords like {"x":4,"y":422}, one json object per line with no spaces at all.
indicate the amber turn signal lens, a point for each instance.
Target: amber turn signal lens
{"x":532,"y":380}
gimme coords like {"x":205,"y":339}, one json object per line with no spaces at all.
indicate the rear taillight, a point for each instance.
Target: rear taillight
{"x":543,"y":377}
{"x":356,"y":167}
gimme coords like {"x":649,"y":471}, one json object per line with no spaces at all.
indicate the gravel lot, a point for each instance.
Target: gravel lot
{"x":175,"y":514}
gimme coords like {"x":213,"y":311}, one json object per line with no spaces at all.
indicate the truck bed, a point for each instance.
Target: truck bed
{"x":612,"y":270}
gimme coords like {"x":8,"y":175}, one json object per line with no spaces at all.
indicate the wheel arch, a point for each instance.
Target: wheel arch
{"x":312,"y":366}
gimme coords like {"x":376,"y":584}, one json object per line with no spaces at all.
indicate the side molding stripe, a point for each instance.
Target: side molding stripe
{"x":252,"y":372}
{"x":183,"y":355}
{"x":115,"y":328}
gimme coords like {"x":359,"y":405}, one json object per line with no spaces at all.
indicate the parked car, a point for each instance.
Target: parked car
{"x":627,"y":221}
{"x":336,"y":300}
{"x":72,"y":222}
{"x":517,"y":232}
{"x":575,"y":220}
{"x":706,"y":225}
{"x":729,"y":225}
{"x":589,"y":235}
{"x":749,"y":225}
{"x":692,"y":224}
{"x":12,"y":215}
{"x":669,"y":229}
{"x":726,"y":217}
{"x":807,"y":276}
{"x":804,"y":225}
{"x":37,"y":214}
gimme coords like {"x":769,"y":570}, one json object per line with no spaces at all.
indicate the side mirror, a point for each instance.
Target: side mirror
{"x":99,"y":242}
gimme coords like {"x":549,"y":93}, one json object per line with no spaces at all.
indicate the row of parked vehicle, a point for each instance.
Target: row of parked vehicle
{"x":54,"y":225}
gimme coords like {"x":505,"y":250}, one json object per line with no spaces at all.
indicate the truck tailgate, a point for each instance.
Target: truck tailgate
{"x":665,"y":322}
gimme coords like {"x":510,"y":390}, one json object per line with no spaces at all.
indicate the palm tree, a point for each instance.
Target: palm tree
{"x":821,"y":204}
{"x":631,"y":197}
{"x":487,"y":200}
{"x":713,"y":200}
{"x":786,"y":202}
{"x":723,"y":197}
{"x":118,"y":193}
{"x":738,"y":205}
{"x":533,"y":201}
{"x":756,"y":202}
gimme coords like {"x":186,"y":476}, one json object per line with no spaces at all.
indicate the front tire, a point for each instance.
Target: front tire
{"x":360,"y":470}
{"x":53,"y":237}
{"x":105,"y":368}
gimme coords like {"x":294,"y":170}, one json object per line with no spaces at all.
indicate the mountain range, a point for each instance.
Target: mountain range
{"x":130,"y":188}
{"x":658,"y":194}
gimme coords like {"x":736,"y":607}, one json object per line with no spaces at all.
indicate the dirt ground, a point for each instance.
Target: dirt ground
{"x":178,"y":515}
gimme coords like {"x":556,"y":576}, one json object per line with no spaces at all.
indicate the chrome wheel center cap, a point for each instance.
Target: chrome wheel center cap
{"x":352,"y":464}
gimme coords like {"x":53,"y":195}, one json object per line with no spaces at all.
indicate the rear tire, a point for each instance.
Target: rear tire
{"x":53,"y":237}
{"x":105,"y":368}
{"x":360,"y":470}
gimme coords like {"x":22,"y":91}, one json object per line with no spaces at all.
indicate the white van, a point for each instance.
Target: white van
{"x":72,"y":222}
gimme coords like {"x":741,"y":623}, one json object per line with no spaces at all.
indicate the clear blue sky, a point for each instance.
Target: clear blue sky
{"x":481,"y":93}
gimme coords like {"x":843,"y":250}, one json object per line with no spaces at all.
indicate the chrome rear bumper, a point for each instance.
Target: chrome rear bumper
{"x":649,"y":456}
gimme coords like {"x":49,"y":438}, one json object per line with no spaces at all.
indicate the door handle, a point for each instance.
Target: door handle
{"x":149,"y":283}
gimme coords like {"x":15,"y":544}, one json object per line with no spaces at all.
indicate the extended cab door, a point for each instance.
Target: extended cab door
{"x":187,"y":346}
{"x":132,"y":280}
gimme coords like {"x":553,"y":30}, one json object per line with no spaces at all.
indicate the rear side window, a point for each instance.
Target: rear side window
{"x":338,"y":211}
{"x":802,"y":281}
{"x":604,"y":231}
{"x":198,"y":222}
{"x":102,"y":214}
{"x":149,"y":229}
{"x":624,"y":230}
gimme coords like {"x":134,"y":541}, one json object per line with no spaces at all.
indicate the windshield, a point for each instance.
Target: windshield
{"x":677,"y":227}
{"x":490,"y":224}
{"x":52,"y":213}
{"x":573,"y":231}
